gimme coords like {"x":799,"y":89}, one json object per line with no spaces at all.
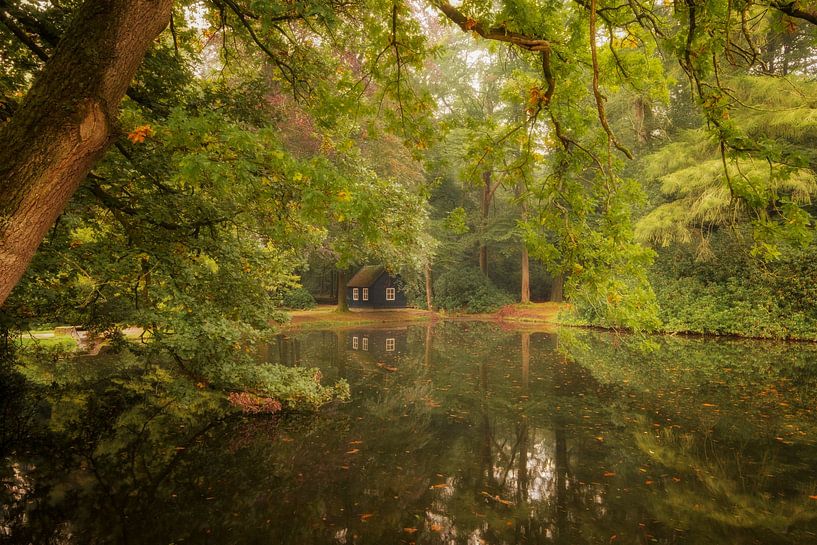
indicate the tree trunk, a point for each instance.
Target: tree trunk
{"x":343,"y":306}
{"x":486,"y":207}
{"x":525,"y":296}
{"x":67,"y":120}
{"x":557,"y":288}
{"x":429,"y":294}
{"x":427,"y":346}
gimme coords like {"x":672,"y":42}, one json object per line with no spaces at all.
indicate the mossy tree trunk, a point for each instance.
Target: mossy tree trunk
{"x":67,"y":120}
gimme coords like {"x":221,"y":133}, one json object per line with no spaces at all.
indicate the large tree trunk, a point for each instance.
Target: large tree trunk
{"x":343,"y":306}
{"x":67,"y":121}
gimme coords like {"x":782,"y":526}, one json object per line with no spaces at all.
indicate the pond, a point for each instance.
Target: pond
{"x":457,"y":433}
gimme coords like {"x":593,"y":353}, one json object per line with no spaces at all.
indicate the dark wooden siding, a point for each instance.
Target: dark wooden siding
{"x":377,"y":294}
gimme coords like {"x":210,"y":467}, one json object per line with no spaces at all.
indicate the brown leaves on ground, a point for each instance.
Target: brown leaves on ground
{"x":250,"y":403}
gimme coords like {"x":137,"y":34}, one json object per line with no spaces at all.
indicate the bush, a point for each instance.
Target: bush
{"x":468,"y":290}
{"x":298,"y":298}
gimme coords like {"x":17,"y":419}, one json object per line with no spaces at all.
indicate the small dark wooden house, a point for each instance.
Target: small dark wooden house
{"x":374,"y":287}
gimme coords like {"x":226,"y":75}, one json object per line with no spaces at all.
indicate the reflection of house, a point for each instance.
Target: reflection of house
{"x":379,"y":344}
{"x":373,"y":287}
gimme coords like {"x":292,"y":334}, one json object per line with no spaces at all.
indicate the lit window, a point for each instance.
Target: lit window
{"x":389,"y":345}
{"x":389,"y":294}
{"x":355,"y":294}
{"x":365,"y":340}
{"x":354,"y":343}
{"x":365,"y":294}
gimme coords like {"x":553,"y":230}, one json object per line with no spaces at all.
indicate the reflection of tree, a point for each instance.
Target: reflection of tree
{"x":724,"y":490}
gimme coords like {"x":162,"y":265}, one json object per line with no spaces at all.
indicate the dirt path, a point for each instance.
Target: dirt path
{"x":326,"y":316}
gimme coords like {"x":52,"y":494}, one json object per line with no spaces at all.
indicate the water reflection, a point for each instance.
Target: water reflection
{"x":458,"y":433}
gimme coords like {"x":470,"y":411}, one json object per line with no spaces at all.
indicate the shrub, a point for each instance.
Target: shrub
{"x":298,"y":298}
{"x":468,"y":290}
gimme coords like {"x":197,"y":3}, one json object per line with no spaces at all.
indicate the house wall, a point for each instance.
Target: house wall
{"x":377,"y":295}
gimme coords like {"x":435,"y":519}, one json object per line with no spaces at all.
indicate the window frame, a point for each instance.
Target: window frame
{"x":390,"y":344}
{"x":393,"y":294}
{"x":365,"y":294}
{"x":365,"y":344}
{"x":354,"y":343}
{"x":355,"y":294}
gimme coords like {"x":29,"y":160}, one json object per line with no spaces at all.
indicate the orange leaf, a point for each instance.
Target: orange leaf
{"x":436,"y":527}
{"x":469,"y":24}
{"x":353,"y":451}
{"x":139,"y":134}
{"x":410,"y":530}
{"x":812,"y":497}
{"x":441,"y":485}
{"x":609,"y":474}
{"x":366,"y":516}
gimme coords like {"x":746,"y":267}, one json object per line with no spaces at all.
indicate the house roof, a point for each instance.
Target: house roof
{"x":366,"y":276}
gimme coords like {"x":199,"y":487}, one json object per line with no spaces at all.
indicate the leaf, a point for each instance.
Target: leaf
{"x":441,"y":485}
{"x":410,"y":530}
{"x":138,"y":135}
{"x":436,"y":527}
{"x":469,"y":24}
{"x":366,"y":516}
{"x":353,"y":451}
{"x":609,"y":473}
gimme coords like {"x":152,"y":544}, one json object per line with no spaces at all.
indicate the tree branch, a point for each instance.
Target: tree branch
{"x":793,"y":9}
{"x":500,"y":34}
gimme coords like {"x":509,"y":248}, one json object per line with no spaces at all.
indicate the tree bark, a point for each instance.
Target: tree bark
{"x":486,"y":207}
{"x":343,"y":306}
{"x":557,"y":288}
{"x":67,"y":120}
{"x":525,"y":295}
{"x":429,"y":294}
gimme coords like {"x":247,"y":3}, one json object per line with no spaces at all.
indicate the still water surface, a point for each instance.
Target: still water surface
{"x":457,"y":433}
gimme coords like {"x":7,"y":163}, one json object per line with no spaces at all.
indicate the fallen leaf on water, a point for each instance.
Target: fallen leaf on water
{"x":812,"y":497}
{"x":355,"y":442}
{"x":609,"y":473}
{"x":436,"y":527}
{"x":409,"y":530}
{"x":353,"y":451}
{"x":648,"y":482}
{"x":366,"y":517}
{"x":441,"y":485}
{"x":709,"y":405}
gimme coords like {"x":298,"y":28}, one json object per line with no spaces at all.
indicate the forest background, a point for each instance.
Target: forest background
{"x":652,"y":162}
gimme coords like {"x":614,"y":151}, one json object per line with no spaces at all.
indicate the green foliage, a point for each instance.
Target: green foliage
{"x":733,"y":293}
{"x":468,"y":290}
{"x":298,"y":298}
